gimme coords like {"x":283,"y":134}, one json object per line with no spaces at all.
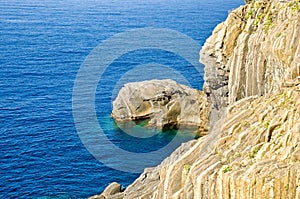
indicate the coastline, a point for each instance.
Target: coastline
{"x":252,"y":78}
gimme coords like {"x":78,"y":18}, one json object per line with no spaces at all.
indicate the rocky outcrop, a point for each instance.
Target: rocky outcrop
{"x":112,"y":191}
{"x":254,"y":154}
{"x":165,"y":103}
{"x":253,"y":52}
{"x":252,"y":81}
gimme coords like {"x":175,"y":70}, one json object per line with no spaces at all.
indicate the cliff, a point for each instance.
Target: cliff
{"x":257,"y":155}
{"x":254,"y":52}
{"x":252,"y":81}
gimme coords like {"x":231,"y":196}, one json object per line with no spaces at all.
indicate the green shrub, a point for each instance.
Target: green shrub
{"x":187,"y":167}
{"x":227,"y":169}
{"x":249,"y":14}
{"x":294,"y":5}
{"x":254,"y":152}
{"x":257,"y":19}
{"x":269,"y":23}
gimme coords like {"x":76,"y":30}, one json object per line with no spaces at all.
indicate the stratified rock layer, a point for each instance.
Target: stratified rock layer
{"x":254,"y":52}
{"x":254,"y":153}
{"x":166,"y":103}
{"x":252,"y":81}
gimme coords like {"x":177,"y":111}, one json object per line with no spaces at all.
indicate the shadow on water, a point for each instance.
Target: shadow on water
{"x":137,"y":136}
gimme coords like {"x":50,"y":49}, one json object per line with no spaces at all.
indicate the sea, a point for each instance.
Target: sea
{"x":57,"y":138}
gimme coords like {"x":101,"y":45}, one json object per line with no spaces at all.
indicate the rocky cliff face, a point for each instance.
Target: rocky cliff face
{"x":257,"y":155}
{"x":253,"y":84}
{"x":254,"y":52}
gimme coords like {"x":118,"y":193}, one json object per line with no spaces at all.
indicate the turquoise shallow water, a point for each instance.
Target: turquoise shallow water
{"x":43,"y":44}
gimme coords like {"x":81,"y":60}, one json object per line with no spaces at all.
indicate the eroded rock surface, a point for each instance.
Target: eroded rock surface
{"x":252,"y":81}
{"x":253,"y":52}
{"x":254,"y":153}
{"x":166,"y":103}
{"x":112,"y":191}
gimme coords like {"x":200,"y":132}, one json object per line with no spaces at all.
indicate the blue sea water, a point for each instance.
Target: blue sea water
{"x":42,"y":47}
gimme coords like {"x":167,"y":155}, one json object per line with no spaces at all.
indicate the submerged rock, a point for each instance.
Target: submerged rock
{"x":165,"y":103}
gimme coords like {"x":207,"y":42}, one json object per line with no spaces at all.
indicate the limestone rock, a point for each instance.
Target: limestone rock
{"x":253,"y":153}
{"x":97,"y":197}
{"x":252,"y":150}
{"x":165,"y":103}
{"x":254,"y":52}
{"x":113,"y":191}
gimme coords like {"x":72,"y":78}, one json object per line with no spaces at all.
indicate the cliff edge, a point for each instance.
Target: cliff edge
{"x":254,"y":52}
{"x":252,"y":81}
